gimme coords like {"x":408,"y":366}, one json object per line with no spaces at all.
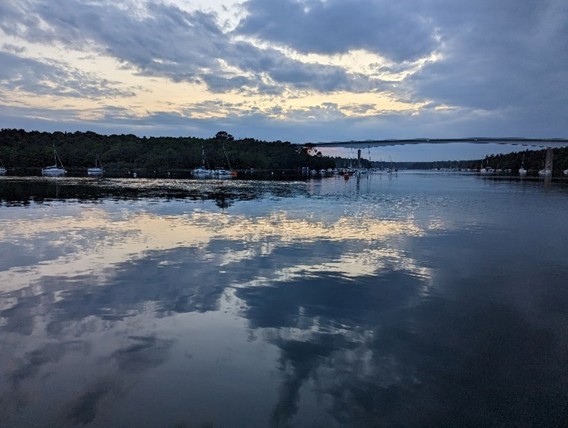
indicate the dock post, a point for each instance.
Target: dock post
{"x":548,"y":159}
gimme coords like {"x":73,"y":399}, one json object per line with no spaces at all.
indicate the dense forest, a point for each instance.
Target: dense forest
{"x":26,"y":152}
{"x":532,"y":160}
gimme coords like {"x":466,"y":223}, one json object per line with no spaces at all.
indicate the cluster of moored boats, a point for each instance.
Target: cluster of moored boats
{"x":58,"y":170}
{"x":544,"y":172}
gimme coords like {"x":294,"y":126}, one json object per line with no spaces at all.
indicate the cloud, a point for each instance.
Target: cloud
{"x":497,"y":55}
{"x":163,"y":40}
{"x":157,"y":39}
{"x":295,"y":70}
{"x":391,"y":29}
{"x":54,"y":78}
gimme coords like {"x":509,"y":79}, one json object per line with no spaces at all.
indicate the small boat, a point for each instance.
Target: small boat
{"x":486,"y":169}
{"x":97,"y":170}
{"x":522,"y":169}
{"x":391,"y":169}
{"x":3,"y":170}
{"x":546,"y":170}
{"x":565,"y":172}
{"x":55,"y":170}
{"x":202,"y":172}
{"x":223,"y":173}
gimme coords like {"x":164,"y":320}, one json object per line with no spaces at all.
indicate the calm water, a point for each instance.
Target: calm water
{"x":420,"y":300}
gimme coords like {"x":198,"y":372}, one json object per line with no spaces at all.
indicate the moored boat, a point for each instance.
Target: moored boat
{"x":97,"y":170}
{"x":202,"y":172}
{"x":522,"y":169}
{"x":55,"y":170}
{"x":223,"y":173}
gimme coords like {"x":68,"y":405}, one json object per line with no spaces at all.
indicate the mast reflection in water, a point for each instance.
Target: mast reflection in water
{"x":414,"y":300}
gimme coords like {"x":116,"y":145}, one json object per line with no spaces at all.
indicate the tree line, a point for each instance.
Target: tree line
{"x":532,"y":160}
{"x":26,"y":152}
{"x":22,"y":150}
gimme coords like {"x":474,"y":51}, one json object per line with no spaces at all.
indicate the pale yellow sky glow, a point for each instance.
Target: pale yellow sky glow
{"x":141,"y":95}
{"x":318,"y":71}
{"x":154,"y":93}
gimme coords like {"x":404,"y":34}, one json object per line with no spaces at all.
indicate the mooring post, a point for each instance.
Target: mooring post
{"x":548,"y":159}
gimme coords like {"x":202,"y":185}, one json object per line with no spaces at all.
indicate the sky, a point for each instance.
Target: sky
{"x":290,"y":70}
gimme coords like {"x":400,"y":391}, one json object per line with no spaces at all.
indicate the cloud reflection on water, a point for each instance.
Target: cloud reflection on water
{"x":94,"y":269}
{"x":289,"y":314}
{"x":92,"y":241}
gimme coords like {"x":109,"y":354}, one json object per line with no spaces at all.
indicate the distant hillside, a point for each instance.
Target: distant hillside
{"x":22,"y":151}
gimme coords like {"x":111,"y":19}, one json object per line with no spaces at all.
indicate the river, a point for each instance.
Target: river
{"x":407,"y":300}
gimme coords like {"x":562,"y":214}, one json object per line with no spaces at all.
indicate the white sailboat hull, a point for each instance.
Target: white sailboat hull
{"x":223,"y":173}
{"x":202,"y":172}
{"x":53,"y":171}
{"x":95,"y":172}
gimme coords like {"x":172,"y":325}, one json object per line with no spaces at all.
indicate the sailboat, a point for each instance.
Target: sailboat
{"x":3,"y":170}
{"x":202,"y":171}
{"x":224,"y":173}
{"x":97,"y":170}
{"x":522,"y":170}
{"x":391,"y":168}
{"x":547,"y":170}
{"x":486,"y":169}
{"x":55,"y":170}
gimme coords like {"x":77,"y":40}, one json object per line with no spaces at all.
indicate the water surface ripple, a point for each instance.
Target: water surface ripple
{"x":416,"y":299}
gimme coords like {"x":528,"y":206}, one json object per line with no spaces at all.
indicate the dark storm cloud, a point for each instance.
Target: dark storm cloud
{"x":498,"y":54}
{"x":389,"y":28}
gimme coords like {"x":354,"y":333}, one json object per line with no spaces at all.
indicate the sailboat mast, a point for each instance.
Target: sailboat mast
{"x":227,"y":157}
